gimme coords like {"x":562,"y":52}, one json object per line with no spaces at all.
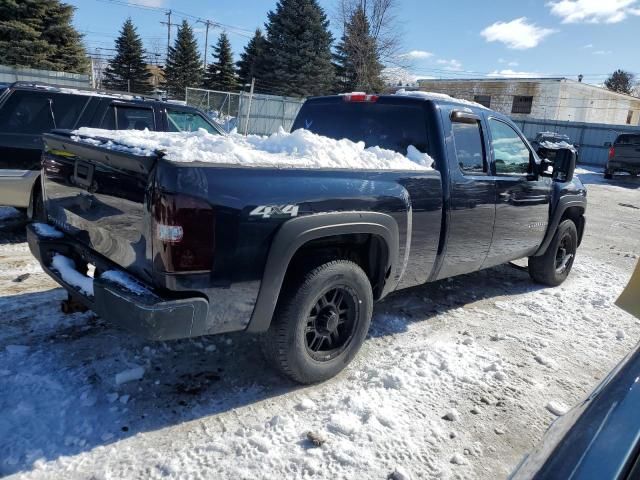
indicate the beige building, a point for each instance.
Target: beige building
{"x":544,"y":98}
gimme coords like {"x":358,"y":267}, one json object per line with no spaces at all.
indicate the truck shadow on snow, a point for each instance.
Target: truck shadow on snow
{"x":58,"y":372}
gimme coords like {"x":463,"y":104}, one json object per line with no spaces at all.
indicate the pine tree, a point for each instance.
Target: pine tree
{"x":298,"y":59}
{"x":39,"y":34}
{"x":252,"y":60}
{"x":127,"y":70}
{"x":621,"y":82}
{"x":184,"y":64}
{"x":221,"y":74}
{"x":357,"y":58}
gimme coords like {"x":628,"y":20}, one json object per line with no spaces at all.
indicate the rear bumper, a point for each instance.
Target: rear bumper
{"x":630,"y":165}
{"x":16,"y":187}
{"x":148,"y":315}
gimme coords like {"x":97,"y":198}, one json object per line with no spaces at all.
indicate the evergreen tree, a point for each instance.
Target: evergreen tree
{"x":252,"y":60}
{"x":298,"y":60}
{"x":221,"y":74}
{"x":357,"y":59}
{"x":127,"y":70}
{"x":621,"y":82}
{"x":39,"y":34}
{"x":184,"y":64}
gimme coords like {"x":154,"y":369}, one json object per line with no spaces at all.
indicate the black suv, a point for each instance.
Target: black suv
{"x":28,"y":110}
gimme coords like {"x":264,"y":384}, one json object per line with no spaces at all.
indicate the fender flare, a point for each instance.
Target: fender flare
{"x":563,"y":204}
{"x":295,"y":233}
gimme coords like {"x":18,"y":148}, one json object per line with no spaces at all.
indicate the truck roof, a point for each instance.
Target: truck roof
{"x":409,"y":95}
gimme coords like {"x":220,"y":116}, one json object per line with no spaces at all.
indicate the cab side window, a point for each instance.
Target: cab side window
{"x":512,"y":156}
{"x":181,"y":121}
{"x":469,"y":147}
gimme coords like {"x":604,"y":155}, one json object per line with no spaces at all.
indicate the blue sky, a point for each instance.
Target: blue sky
{"x":458,"y":38}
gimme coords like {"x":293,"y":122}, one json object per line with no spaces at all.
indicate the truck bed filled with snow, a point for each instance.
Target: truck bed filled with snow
{"x":300,"y":149}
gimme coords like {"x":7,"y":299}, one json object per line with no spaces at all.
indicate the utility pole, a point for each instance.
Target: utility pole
{"x":246,"y":122}
{"x":168,"y":24}
{"x":207,"y":24}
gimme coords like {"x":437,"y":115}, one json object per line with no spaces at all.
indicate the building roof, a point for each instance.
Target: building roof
{"x":528,"y":80}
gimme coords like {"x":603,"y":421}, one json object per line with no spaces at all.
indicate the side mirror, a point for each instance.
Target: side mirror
{"x":607,"y":144}
{"x":564,"y":165}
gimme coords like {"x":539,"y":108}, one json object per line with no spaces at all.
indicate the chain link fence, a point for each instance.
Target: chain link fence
{"x":259,"y":114}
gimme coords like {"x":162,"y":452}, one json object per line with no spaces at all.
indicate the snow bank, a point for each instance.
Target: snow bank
{"x":300,"y":149}
{"x":436,"y":96}
{"x":67,"y":270}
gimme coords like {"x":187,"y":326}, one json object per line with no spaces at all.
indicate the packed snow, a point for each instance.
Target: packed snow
{"x":300,"y":149}
{"x":457,"y":379}
{"x":437,"y":96}
{"x":66,"y":267}
{"x":557,"y":145}
{"x":126,"y":281}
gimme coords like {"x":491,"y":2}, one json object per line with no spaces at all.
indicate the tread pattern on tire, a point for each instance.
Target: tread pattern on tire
{"x":275,"y":344}
{"x":542,"y":268}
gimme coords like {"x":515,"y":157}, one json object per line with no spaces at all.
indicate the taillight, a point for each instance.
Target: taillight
{"x":183,"y":233}
{"x":360,"y":97}
{"x":612,"y":152}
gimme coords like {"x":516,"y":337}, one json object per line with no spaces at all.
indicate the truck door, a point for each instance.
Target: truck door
{"x":472,"y":193}
{"x":522,"y":196}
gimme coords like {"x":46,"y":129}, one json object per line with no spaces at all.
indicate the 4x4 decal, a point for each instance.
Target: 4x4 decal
{"x":275,"y":211}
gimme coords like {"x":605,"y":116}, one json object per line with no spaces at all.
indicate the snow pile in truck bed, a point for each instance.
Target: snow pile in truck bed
{"x":300,"y":149}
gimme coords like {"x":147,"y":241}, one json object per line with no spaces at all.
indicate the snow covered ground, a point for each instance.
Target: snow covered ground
{"x":458,"y":379}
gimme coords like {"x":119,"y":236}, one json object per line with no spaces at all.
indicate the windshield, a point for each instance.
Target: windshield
{"x":393,"y":127}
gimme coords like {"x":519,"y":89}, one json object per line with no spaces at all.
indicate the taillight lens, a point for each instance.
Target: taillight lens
{"x":183,"y":233}
{"x":360,"y":97}
{"x":612,"y":152}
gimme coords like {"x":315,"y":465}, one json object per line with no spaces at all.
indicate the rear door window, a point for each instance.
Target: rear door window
{"x":30,"y":112}
{"x":125,"y":117}
{"x":390,"y":126}
{"x":469,"y":147}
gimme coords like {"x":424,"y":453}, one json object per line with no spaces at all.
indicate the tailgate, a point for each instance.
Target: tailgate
{"x":628,"y":153}
{"x":98,"y":196}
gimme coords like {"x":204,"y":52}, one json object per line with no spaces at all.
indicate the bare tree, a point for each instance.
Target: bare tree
{"x":384,"y":26}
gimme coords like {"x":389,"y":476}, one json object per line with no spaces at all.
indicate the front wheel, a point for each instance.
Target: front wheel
{"x":320,"y":323}
{"x":553,"y":267}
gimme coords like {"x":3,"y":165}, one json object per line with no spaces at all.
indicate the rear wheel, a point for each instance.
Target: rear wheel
{"x":553,"y":267}
{"x":320,"y":323}
{"x":608,"y":174}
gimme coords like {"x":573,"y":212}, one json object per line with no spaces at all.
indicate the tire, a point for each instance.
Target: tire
{"x":320,"y":322}
{"x":38,"y":214}
{"x":608,"y":175}
{"x":553,"y":267}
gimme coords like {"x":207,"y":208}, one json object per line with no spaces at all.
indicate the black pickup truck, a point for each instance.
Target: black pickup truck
{"x":301,"y":254}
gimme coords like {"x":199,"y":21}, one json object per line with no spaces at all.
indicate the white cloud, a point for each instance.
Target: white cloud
{"x":602,"y":52}
{"x":588,"y":45}
{"x":517,"y":34}
{"x":508,"y":73}
{"x":417,"y":54}
{"x":513,"y":64}
{"x":594,"y":11}
{"x":453,"y":64}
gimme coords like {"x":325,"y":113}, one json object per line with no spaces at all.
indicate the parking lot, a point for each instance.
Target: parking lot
{"x":457,"y":380}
